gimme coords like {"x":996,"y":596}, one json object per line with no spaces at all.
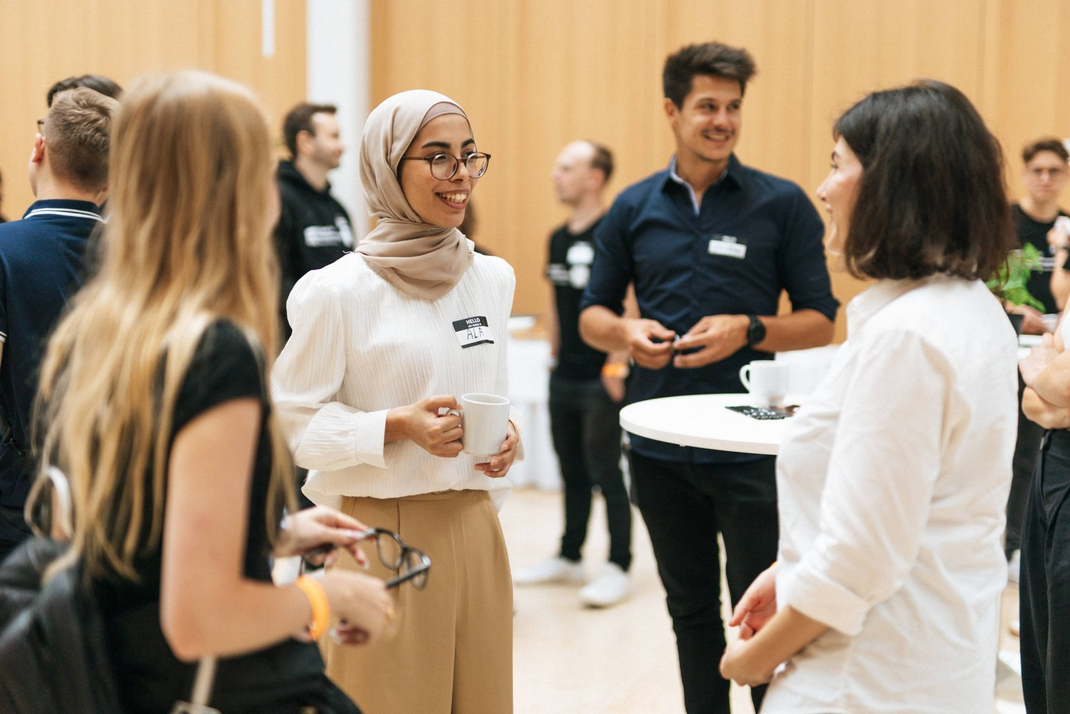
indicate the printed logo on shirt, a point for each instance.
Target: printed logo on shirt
{"x":338,"y":234}
{"x":558,"y":274}
{"x":579,"y":258}
{"x":472,"y":331}
{"x":728,"y":246}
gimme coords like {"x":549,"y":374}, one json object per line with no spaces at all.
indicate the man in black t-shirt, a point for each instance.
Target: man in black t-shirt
{"x":586,"y":389}
{"x":42,"y":260}
{"x":1044,"y":177}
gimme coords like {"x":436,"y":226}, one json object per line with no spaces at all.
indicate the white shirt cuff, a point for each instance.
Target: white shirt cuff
{"x":813,"y":594}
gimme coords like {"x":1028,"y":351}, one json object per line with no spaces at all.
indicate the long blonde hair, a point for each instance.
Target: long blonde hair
{"x":188,"y":242}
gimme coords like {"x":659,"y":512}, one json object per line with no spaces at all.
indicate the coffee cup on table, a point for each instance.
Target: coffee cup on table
{"x":485,"y":422}
{"x":767,"y":382}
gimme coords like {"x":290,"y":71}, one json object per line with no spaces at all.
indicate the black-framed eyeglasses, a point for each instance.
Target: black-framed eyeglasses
{"x":40,"y":126}
{"x":394,"y":553}
{"x":444,"y":166}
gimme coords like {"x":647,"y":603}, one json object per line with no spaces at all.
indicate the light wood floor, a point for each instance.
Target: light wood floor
{"x":621,"y":660}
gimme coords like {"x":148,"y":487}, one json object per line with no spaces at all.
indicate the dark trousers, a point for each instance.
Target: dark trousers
{"x":685,"y":506}
{"x":1044,"y":595}
{"x":1025,"y":459}
{"x":585,"y":426}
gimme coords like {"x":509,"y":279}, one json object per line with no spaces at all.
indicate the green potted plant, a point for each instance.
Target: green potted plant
{"x":1010,"y":283}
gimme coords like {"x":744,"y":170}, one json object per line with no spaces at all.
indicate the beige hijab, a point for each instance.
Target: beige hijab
{"x":419,"y":259}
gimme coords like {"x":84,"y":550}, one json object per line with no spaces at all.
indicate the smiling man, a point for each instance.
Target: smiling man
{"x":710,"y":244}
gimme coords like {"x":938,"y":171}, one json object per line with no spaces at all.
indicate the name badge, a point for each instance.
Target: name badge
{"x":472,"y":331}
{"x":728,"y":246}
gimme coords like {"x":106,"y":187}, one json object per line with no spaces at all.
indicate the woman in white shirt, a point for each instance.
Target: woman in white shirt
{"x":380,"y":353}
{"x":893,"y":478}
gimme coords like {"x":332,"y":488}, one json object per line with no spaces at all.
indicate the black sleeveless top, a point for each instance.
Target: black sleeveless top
{"x":281,"y":678}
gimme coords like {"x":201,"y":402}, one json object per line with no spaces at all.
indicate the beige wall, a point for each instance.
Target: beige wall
{"x":534,"y":74}
{"x":42,"y":41}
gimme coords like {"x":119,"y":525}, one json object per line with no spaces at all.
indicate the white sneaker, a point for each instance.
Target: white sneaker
{"x":551,"y":570}
{"x":610,"y":587}
{"x":1014,"y":567}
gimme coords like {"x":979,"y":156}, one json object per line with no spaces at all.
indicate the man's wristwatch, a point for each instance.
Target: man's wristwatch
{"x":756,"y":331}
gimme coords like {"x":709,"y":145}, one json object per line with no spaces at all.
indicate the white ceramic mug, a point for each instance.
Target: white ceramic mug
{"x":485,"y":421}
{"x":767,"y":381}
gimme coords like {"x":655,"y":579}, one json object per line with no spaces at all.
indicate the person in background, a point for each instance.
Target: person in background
{"x":893,"y":476}
{"x":1044,"y":591}
{"x":314,"y":228}
{"x":1035,"y":219}
{"x":385,"y":340}
{"x":96,"y":82}
{"x":710,"y":245}
{"x":586,"y":388}
{"x":42,"y":262}
{"x":1044,"y":176}
{"x":154,"y":403}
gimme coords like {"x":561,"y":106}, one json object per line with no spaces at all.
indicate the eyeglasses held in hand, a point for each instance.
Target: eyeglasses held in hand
{"x":394,"y":553}
{"x":444,"y":166}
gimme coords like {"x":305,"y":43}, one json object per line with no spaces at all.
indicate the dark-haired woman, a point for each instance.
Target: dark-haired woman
{"x":894,"y":476}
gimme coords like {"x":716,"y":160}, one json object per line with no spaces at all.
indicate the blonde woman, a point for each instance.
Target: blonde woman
{"x":379,"y":352}
{"x":155,"y":404}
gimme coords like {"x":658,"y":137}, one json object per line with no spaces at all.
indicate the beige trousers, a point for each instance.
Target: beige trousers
{"x":451,"y":649}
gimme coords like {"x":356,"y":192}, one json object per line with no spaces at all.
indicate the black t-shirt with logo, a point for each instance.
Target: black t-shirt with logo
{"x":568,"y":269}
{"x":1036,"y":232}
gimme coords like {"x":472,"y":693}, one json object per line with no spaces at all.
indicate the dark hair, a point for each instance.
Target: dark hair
{"x":1046,"y":144}
{"x":602,"y":160}
{"x":299,"y":119}
{"x":709,"y":58}
{"x":931,"y":198}
{"x":96,"y":82}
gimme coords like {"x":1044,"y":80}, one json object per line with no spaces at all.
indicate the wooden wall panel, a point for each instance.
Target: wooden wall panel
{"x":42,"y":41}
{"x":1026,"y":92}
{"x":537,"y":74}
{"x":592,"y":69}
{"x":864,"y":45}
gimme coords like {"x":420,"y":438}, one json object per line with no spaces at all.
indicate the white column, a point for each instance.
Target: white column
{"x":339,"y":73}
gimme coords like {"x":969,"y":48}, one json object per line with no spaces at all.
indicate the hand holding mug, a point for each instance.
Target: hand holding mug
{"x":433,"y":424}
{"x":501,"y":462}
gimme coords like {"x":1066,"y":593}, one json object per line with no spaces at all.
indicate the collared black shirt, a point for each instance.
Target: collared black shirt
{"x":754,"y":236}
{"x":42,"y":262}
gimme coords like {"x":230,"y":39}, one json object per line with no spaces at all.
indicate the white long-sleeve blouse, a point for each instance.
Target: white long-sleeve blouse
{"x":892,"y":485}
{"x":359,"y":348}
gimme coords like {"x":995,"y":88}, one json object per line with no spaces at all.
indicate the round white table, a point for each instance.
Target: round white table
{"x":702,"y":421}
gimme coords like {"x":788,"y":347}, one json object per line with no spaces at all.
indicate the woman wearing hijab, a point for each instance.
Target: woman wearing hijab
{"x":379,"y":355}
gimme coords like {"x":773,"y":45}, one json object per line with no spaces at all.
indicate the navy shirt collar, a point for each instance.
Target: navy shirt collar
{"x":63,"y":207}
{"x":731,"y":175}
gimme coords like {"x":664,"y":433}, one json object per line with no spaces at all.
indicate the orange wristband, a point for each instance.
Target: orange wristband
{"x":321,"y":609}
{"x":615,"y":370}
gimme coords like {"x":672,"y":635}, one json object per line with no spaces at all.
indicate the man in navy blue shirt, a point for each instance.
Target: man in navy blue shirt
{"x":42,"y":258}
{"x":709,"y":244}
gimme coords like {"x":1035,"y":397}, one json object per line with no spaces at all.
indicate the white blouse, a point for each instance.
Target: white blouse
{"x":359,"y":348}
{"x":893,"y":480}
